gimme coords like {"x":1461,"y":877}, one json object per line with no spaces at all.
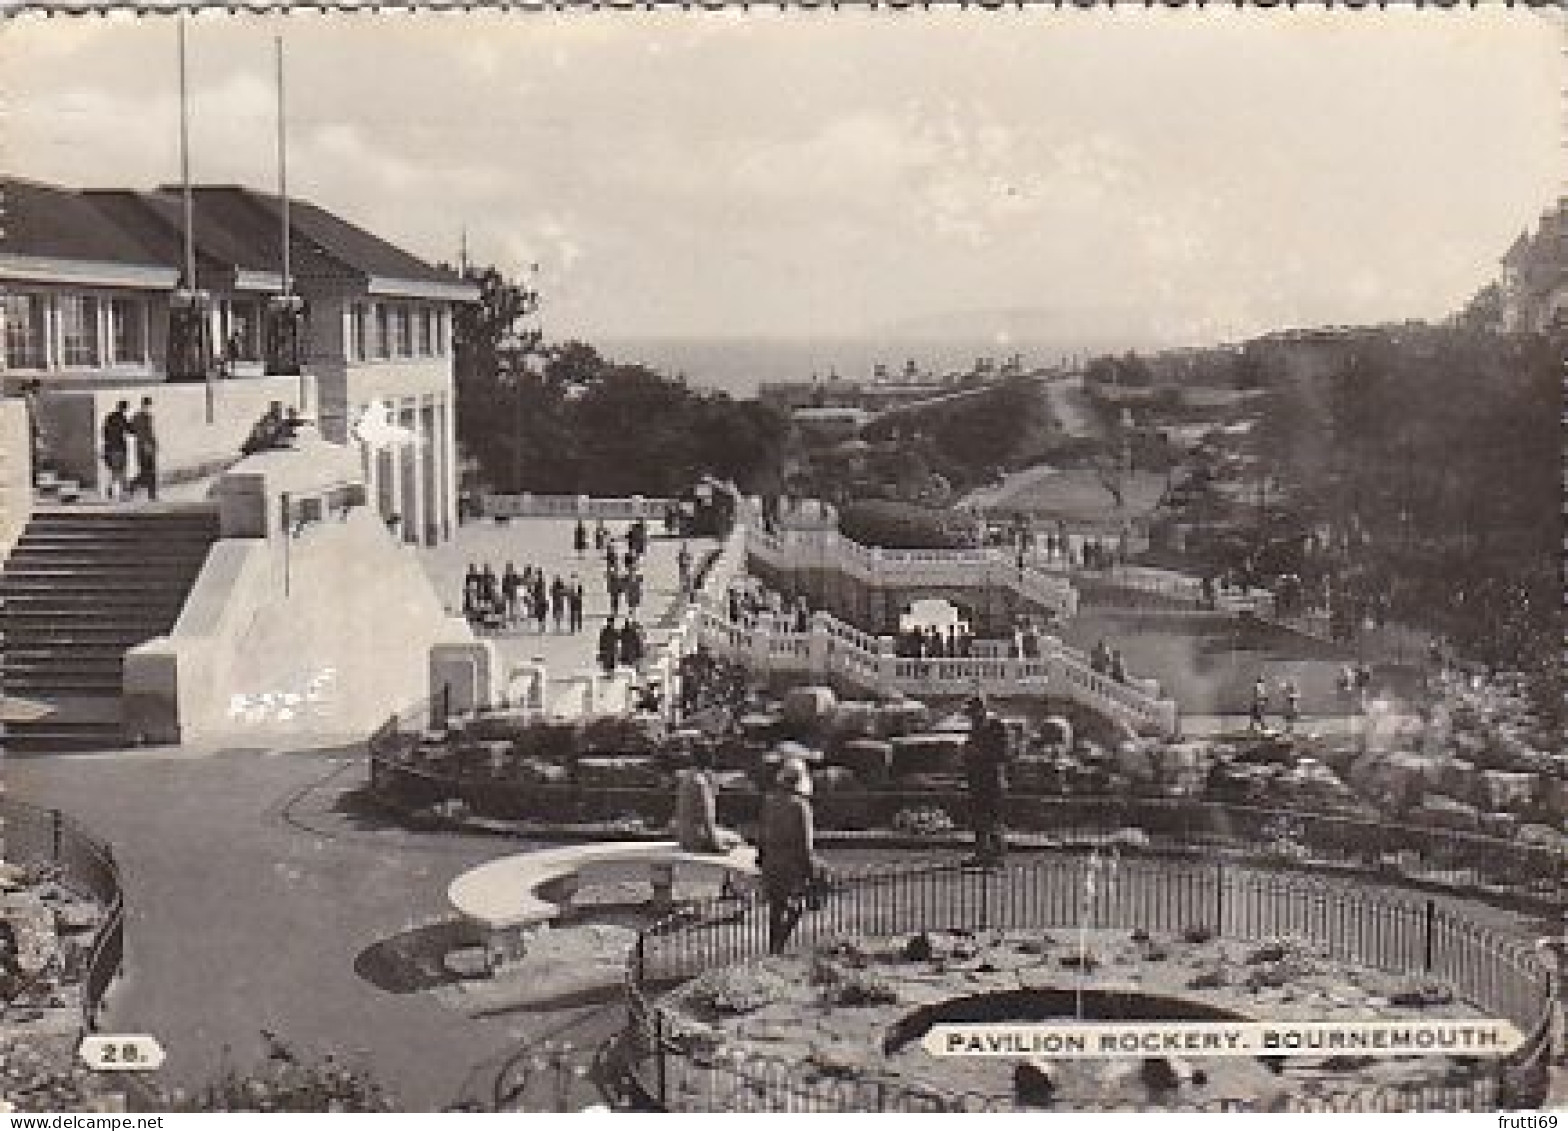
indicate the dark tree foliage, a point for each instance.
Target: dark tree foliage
{"x":561,"y":419}
{"x":969,"y":440}
{"x":1435,"y":460}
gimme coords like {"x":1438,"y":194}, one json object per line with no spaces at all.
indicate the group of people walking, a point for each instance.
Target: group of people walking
{"x":121,"y":428}
{"x":1290,"y":705}
{"x":512,"y":598}
{"x":930,"y":642}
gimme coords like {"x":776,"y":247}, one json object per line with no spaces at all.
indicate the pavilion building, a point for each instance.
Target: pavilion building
{"x":88,"y":277}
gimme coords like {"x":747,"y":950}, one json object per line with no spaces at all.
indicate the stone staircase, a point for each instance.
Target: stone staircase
{"x":83,"y":585}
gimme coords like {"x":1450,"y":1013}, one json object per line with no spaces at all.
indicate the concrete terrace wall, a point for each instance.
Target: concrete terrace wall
{"x":528,"y":505}
{"x":312,"y":637}
{"x":16,"y":473}
{"x":187,"y":442}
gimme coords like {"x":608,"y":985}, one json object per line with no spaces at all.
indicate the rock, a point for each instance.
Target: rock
{"x":1268,"y":952}
{"x":919,"y":948}
{"x":870,"y":759}
{"x":1057,"y":731}
{"x":1159,"y":1074}
{"x":927,"y":754}
{"x":1034,"y":1082}
{"x":805,"y":708}
{"x":830,"y":779}
{"x":851,"y":720}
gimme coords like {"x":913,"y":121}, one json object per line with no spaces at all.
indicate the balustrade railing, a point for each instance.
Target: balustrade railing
{"x":832,"y":647}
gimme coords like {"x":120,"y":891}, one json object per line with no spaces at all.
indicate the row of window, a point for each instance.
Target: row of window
{"x":384,"y":331}
{"x":73,"y":331}
{"x":68,"y":330}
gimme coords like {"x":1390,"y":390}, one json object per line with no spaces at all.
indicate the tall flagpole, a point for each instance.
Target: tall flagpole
{"x":198,"y":321}
{"x":185,"y":167}
{"x":286,"y":283}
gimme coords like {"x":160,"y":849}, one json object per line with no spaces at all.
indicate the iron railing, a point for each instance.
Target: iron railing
{"x":87,"y":867}
{"x":1398,"y":931}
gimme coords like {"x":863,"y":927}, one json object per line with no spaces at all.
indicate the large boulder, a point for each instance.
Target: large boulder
{"x":869,"y":758}
{"x":928,"y":754}
{"x":1056,"y":731}
{"x":620,"y":772}
{"x":806,"y":708}
{"x":903,"y":717}
{"x":833,"y":779}
{"x":853,"y":719}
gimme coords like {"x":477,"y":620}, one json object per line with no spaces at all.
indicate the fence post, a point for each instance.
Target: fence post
{"x":57,"y":831}
{"x":660,"y":1068}
{"x":1429,"y":936}
{"x":1219,"y":897}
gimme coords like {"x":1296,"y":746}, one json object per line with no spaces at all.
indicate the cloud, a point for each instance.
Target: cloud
{"x":806,"y":173}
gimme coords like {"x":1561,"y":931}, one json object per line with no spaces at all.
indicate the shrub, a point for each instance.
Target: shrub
{"x":904,"y":526}
{"x":288,"y":1081}
{"x":1197,"y":934}
{"x":862,"y":987}
{"x":734,"y":990}
{"x":925,"y":820}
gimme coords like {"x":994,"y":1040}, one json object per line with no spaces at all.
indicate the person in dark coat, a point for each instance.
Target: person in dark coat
{"x":574,"y":600}
{"x":786,"y":851}
{"x":146,"y":450}
{"x":609,"y":646}
{"x":580,"y":538}
{"x":985,"y":762}
{"x":631,"y":642}
{"x":557,"y":602}
{"x":116,"y":449}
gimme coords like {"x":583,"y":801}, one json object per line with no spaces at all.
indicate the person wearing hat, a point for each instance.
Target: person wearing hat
{"x":985,"y":759}
{"x":696,"y":807}
{"x":786,"y":851}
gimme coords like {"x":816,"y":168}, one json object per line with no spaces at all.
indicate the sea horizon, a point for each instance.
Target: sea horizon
{"x":740,"y":365}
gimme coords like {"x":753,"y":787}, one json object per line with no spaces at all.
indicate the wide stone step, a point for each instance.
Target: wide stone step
{"x":30,"y":685}
{"x":74,"y":588}
{"x":48,"y":737}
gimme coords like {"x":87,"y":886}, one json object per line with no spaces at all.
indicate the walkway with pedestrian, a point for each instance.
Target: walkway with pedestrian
{"x":547,"y":544}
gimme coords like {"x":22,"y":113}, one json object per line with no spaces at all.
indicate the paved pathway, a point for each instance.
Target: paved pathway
{"x":547,"y":543}
{"x":250,"y":902}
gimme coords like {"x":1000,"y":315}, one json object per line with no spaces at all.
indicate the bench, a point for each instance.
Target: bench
{"x":506,"y":899}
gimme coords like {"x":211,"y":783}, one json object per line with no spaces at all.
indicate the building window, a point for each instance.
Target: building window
{"x":427,"y":333}
{"x":242,"y":336}
{"x":441,"y":333}
{"x":127,"y":331}
{"x":24,"y":331}
{"x":79,"y":331}
{"x":383,"y":331}
{"x":358,"y":332}
{"x":405,"y":331}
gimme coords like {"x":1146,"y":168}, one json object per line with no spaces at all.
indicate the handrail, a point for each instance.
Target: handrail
{"x":882,"y":566}
{"x":832,"y":646}
{"x":87,"y":865}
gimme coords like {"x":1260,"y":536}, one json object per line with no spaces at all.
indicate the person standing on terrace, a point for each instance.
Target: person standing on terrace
{"x":116,"y":449}
{"x":696,"y":807}
{"x":985,"y":760}
{"x":786,"y":852}
{"x":146,"y":450}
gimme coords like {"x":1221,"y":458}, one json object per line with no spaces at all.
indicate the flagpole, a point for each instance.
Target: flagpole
{"x":199,"y":314}
{"x":286,"y":283}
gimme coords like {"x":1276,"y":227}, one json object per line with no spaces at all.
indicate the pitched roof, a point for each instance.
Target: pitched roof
{"x":236,"y":231}
{"x":45,"y":222}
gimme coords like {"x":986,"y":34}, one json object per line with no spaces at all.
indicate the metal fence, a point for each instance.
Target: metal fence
{"x":1401,"y":932}
{"x":36,"y":834}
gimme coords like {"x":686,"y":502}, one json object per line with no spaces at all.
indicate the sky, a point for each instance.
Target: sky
{"x":1179,"y":177}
